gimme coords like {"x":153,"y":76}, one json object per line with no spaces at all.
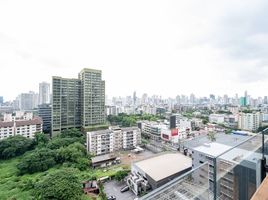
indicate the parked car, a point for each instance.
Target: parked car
{"x":124,"y":189}
{"x":111,"y":198}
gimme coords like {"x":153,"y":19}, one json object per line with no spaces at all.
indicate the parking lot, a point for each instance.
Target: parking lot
{"x":112,"y":188}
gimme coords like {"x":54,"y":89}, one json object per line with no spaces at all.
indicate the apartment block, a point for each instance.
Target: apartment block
{"x":216,"y":118}
{"x":78,"y":103}
{"x":249,"y":121}
{"x":92,"y":97}
{"x":151,"y":129}
{"x":25,"y":125}
{"x":113,"y":139}
{"x":66,"y":104}
{"x":44,"y":111}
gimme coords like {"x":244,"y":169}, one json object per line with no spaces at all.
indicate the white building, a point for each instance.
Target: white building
{"x":152,"y":129}
{"x":44,"y":93}
{"x":25,"y":125}
{"x":113,"y":139}
{"x":216,"y":118}
{"x":265,"y":117}
{"x":249,"y":121}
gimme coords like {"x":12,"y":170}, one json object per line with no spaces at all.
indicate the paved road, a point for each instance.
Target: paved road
{"x":113,"y":188}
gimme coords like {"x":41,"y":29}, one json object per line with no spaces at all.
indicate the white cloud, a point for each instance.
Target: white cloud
{"x":161,"y":47}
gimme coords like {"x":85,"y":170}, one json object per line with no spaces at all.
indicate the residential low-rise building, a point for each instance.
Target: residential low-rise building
{"x":152,"y":129}
{"x":216,"y":118}
{"x":249,"y":121}
{"x":27,"y":126}
{"x":113,"y":139}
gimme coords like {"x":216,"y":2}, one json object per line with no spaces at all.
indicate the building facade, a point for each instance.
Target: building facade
{"x":44,"y":93}
{"x":25,"y":125}
{"x":92,"y":98}
{"x":28,"y":101}
{"x":249,"y":121}
{"x":78,"y":103}
{"x":44,"y":111}
{"x":113,"y":139}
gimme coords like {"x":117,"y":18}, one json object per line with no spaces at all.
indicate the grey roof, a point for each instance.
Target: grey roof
{"x":221,"y":138}
{"x":164,"y":165}
{"x":101,"y":132}
{"x":102,"y":158}
{"x":130,"y":128}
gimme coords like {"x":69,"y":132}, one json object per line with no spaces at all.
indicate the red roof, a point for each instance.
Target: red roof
{"x":34,"y":121}
{"x":6,"y":124}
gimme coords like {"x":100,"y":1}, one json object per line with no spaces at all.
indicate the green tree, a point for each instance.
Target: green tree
{"x":41,"y":139}
{"x":38,"y":161}
{"x":15,"y":146}
{"x":60,"y":185}
{"x":58,"y":142}
{"x":204,"y":121}
{"x":71,"y":133}
{"x":71,"y":153}
{"x":120,"y":175}
{"x":102,"y":194}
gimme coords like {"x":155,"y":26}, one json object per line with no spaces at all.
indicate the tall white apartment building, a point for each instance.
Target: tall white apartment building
{"x":249,"y":121}
{"x":113,"y":139}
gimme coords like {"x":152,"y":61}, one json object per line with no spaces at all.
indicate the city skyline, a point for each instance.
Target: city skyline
{"x":180,"y":48}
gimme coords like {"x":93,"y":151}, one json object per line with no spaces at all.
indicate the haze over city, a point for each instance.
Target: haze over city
{"x":155,"y":47}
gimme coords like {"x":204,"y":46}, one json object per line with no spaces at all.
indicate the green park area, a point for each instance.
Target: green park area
{"x":43,"y":168}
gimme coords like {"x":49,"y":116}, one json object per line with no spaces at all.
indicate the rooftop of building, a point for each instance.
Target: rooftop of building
{"x":213,"y":149}
{"x":221,"y":138}
{"x":90,"y":70}
{"x":99,"y":132}
{"x":34,"y":121}
{"x":103,"y":158}
{"x":164,"y":165}
{"x":130,"y":128}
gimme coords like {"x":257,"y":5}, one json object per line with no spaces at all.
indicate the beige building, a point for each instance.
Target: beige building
{"x":249,"y":121}
{"x":113,"y":139}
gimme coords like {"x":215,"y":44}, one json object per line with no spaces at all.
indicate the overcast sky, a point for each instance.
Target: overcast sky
{"x":155,"y":47}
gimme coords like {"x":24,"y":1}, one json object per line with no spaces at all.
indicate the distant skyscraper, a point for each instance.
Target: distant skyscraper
{"x":134,"y":98}
{"x":192,"y":98}
{"x":78,"y":102}
{"x":1,"y":100}
{"x":44,"y":93}
{"x":28,"y":101}
{"x":225,"y":99}
{"x":212,"y":97}
{"x":265,"y":100}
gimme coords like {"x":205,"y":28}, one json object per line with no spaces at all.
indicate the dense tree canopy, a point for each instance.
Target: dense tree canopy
{"x":41,"y":139}
{"x":71,"y":153}
{"x":61,"y":185}
{"x":59,"y":142}
{"x":37,"y":161}
{"x":15,"y":146}
{"x":71,"y":133}
{"x":120,"y":175}
{"x":125,"y":120}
